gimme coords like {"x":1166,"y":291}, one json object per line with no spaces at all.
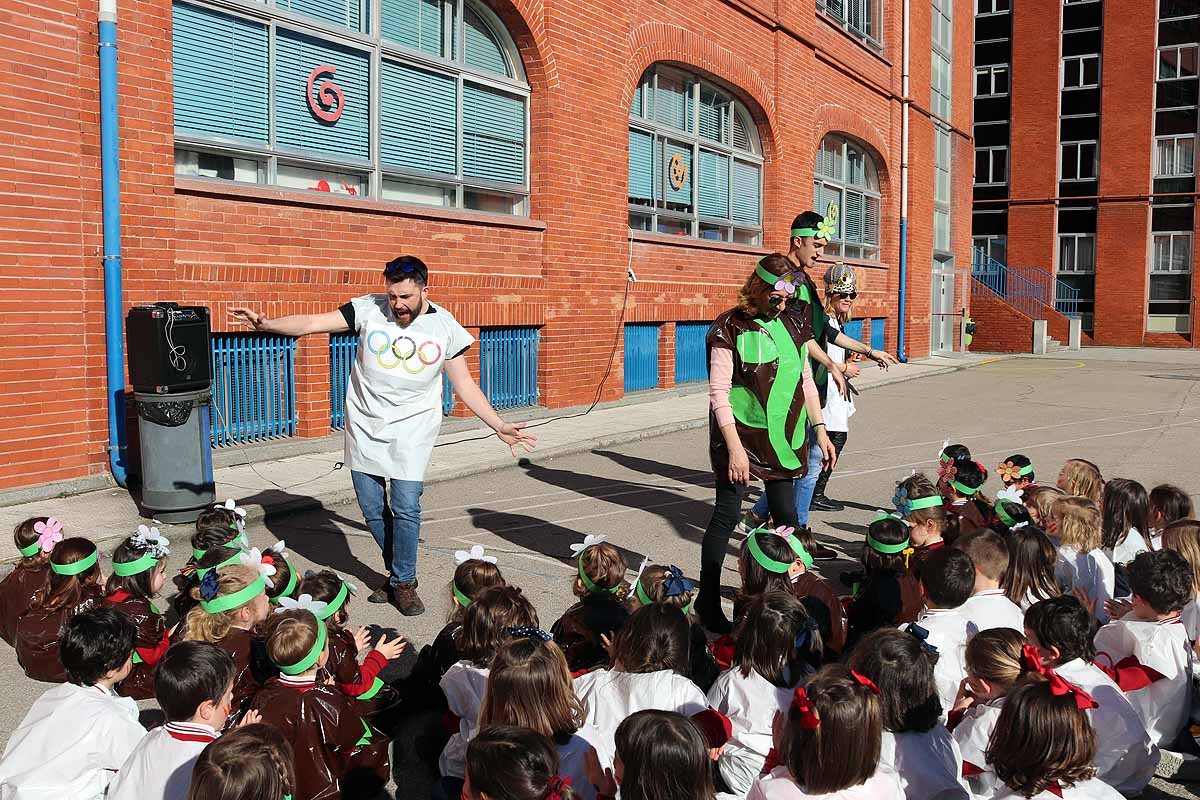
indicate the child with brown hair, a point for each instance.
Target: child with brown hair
{"x":600,"y":585}
{"x":336,"y":752}
{"x":914,"y":744}
{"x":662,"y":756}
{"x":35,"y":538}
{"x":529,"y":686}
{"x":139,"y":570}
{"x":988,"y":607}
{"x":829,"y":740}
{"x":777,"y":647}
{"x":993,"y":660}
{"x":885,"y":593}
{"x":486,"y":626}
{"x":1016,"y":472}
{"x":510,"y":763}
{"x":1124,"y":515}
{"x":1183,"y":536}
{"x":253,"y":762}
{"x":1031,"y":562}
{"x":649,"y":670}
{"x":1044,"y":747}
{"x":918,"y":502}
{"x":1082,"y":566}
{"x":231,"y":602}
{"x":658,"y":584}
{"x":1081,"y":478}
{"x":1167,"y":504}
{"x":75,"y":584}
{"x":968,"y":509}
{"x":1039,"y":502}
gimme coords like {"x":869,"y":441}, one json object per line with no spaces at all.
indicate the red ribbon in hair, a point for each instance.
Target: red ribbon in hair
{"x":554,"y":789}
{"x":1059,"y":686}
{"x":865,"y":681}
{"x":808,"y":717}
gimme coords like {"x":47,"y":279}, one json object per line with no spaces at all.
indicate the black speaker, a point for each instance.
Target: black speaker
{"x":168,"y":348}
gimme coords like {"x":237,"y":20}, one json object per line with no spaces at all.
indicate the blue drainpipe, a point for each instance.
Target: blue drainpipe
{"x":903,"y":290}
{"x":114,"y":344}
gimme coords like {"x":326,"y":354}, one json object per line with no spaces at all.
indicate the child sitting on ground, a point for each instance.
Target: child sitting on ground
{"x":918,"y":502}
{"x":510,"y":763}
{"x":947,"y":581}
{"x":1167,"y":504}
{"x":885,"y":593}
{"x":600,"y":585}
{"x":1081,"y":478}
{"x":988,"y":607}
{"x":252,"y":762}
{"x":967,"y":507}
{"x":1039,"y":502}
{"x":1016,"y":472}
{"x":1082,"y":566}
{"x":139,"y":570}
{"x":830,"y":743}
{"x":1061,"y":631}
{"x":76,"y":736}
{"x":1183,"y":536}
{"x":993,"y":659}
{"x":650,"y":745}
{"x":75,"y":585}
{"x":1009,"y":512}
{"x":667,"y":585}
{"x":1124,"y":515}
{"x":35,"y":538}
{"x":1030,"y":574}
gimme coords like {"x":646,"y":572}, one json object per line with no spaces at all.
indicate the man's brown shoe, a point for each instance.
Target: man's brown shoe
{"x":404,"y":598}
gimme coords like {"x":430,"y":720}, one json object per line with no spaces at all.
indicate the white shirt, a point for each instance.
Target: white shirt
{"x":464,"y":685}
{"x":1127,"y":550}
{"x":1091,"y":789}
{"x":929,"y":764}
{"x":1093,"y":572}
{"x":1125,"y":756}
{"x":991,"y":608}
{"x":779,"y":785}
{"x":838,"y":410}
{"x":394,"y":401}
{"x":750,"y":702}
{"x":69,"y":745}
{"x":1191,"y":619}
{"x":1163,"y":706}
{"x":949,"y":631}
{"x":609,"y":696}
{"x":972,"y":735}
{"x":162,"y":763}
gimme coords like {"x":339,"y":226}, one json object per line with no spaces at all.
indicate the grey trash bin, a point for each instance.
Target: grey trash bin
{"x":176,"y":445}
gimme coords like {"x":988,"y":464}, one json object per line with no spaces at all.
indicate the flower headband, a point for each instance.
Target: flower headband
{"x":785,"y":283}
{"x":326,"y":610}
{"x":210,"y":586}
{"x":1008,"y":471}
{"x":274,"y":553}
{"x":578,"y":550}
{"x":49,"y":534}
{"x":906,"y":505}
{"x":1059,"y":687}
{"x":826,"y":229}
{"x":474,"y":554}
{"x":770,"y":564}
{"x":156,"y":549}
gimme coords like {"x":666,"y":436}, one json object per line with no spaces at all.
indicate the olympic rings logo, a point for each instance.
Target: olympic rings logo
{"x":395,"y":347}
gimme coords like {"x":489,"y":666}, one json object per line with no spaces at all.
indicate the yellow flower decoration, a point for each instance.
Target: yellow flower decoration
{"x":827,"y":228}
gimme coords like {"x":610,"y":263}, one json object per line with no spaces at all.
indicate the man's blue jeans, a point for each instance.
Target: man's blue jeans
{"x":803,"y":486}
{"x":396,"y":525}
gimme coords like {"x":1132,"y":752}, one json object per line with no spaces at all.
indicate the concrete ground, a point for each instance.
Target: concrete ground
{"x":1137,"y":418}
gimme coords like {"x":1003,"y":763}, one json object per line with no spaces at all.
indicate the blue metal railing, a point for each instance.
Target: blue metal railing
{"x":1066,"y":297}
{"x":691,"y":363}
{"x":508,"y":366}
{"x":343,"y":349}
{"x":1015,"y":289}
{"x":641,"y":356}
{"x":253,"y":388}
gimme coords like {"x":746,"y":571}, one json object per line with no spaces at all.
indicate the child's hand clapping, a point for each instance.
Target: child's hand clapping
{"x":1118,"y":608}
{"x":252,"y":718}
{"x":392,"y":649}
{"x":362,"y":639}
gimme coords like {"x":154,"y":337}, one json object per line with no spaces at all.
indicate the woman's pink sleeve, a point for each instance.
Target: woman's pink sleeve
{"x":810,"y":386}
{"x":720,"y":379}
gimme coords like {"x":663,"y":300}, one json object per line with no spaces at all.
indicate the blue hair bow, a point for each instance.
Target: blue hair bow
{"x":530,"y":632}
{"x":922,"y":636}
{"x":674,"y":584}
{"x":209,"y":585}
{"x":805,"y":634}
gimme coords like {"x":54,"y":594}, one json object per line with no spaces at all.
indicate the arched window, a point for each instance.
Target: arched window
{"x":695,"y":160}
{"x":846,"y":174}
{"x":282,"y":95}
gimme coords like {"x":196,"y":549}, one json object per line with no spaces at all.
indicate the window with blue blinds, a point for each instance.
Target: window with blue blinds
{"x":846,"y":174}
{"x":407,"y":94}
{"x":220,"y":74}
{"x":339,"y":12}
{"x":483,"y":49}
{"x":414,"y":23}
{"x":695,"y":167}
{"x":296,"y":55}
{"x":493,"y":135}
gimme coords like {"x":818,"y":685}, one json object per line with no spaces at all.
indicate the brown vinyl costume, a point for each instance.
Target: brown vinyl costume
{"x":38,"y":630}
{"x":253,"y":666}
{"x":150,"y":644}
{"x":16,"y":595}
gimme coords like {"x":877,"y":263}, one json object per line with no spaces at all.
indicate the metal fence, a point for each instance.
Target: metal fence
{"x":1027,"y":289}
{"x":253,"y":388}
{"x":343,"y":349}
{"x":641,"y":356}
{"x":691,"y":363}
{"x":508,"y":366}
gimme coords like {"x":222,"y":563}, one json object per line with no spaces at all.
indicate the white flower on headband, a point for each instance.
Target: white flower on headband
{"x":152,"y":540}
{"x":304,"y":602}
{"x":1010,"y":493}
{"x":588,"y":541}
{"x":231,"y":505}
{"x":253,"y":558}
{"x":349,"y":585}
{"x":1019,"y":525}
{"x":279,"y":549}
{"x":642,"y":568}
{"x":474,"y":554}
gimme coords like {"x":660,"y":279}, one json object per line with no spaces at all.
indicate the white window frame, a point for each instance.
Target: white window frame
{"x":873,"y":17}
{"x":994,"y":11}
{"x":868,"y":252}
{"x":1186,"y":236}
{"x":1081,"y":59}
{"x":1062,"y":151}
{"x":991,"y":176}
{"x":1158,"y":170}
{"x":1178,"y":50}
{"x":986,"y":244}
{"x":1074,"y":267}
{"x":991,"y":71}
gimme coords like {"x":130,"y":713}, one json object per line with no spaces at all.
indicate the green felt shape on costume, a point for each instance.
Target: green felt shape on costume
{"x":746,"y":408}
{"x":783,"y":391}
{"x":755,"y":347}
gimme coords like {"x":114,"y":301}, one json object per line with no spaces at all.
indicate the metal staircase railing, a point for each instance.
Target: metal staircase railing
{"x":1030,"y":290}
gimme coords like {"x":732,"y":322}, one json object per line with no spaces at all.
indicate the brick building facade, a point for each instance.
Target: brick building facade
{"x":496,"y":141}
{"x":1085,"y":129}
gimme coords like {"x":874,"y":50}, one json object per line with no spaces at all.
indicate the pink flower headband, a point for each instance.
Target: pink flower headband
{"x":49,"y":533}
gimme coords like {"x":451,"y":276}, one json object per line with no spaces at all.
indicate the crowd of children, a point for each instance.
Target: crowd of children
{"x":1035,"y":645}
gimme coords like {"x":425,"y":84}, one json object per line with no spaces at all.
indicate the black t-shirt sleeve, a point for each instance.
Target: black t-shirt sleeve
{"x":348,"y":314}
{"x":459,"y":353}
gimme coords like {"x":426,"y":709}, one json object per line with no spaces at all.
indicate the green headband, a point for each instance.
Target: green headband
{"x":462,"y":599}
{"x":30,"y":550}
{"x":291,"y":584}
{"x":646,"y":601}
{"x":238,"y":598}
{"x":1025,"y":470}
{"x":799,"y":550}
{"x":764,"y":560}
{"x":231,"y":544}
{"x":1004,"y":515}
{"x":943,"y":458}
{"x":887,"y":549}
{"x":766,"y":275}
{"x":332,"y":607}
{"x":233,"y":559}
{"x":826,"y":229}
{"x":304,"y":664}
{"x":127,"y":568}
{"x":82,"y":565}
{"x":587,"y":582}
{"x":919,"y":503}
{"x":963,"y":488}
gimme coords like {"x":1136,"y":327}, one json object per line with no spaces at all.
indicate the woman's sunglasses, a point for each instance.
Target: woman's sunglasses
{"x":845,"y":295}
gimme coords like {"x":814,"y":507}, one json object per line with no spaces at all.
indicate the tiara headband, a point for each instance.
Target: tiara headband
{"x":82,"y":565}
{"x":314,"y":655}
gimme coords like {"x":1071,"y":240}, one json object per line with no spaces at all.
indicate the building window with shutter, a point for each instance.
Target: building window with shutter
{"x":845,"y":173}
{"x":695,"y":160}
{"x":282,"y":95}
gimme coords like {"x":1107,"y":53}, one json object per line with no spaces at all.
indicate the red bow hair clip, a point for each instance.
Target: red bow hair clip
{"x":1059,"y":686}
{"x":554,"y":789}
{"x":865,"y":681}
{"x":808,"y":715}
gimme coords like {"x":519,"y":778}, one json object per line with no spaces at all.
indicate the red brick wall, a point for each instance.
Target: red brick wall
{"x":563,"y":268}
{"x":999,"y":328}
